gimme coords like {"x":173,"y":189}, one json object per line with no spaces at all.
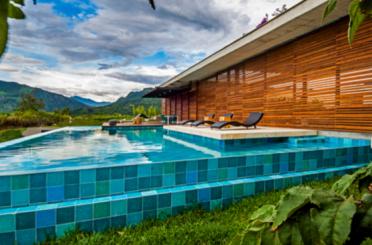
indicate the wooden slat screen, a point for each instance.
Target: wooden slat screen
{"x":317,"y":81}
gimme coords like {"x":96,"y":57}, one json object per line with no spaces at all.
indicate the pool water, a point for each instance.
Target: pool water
{"x":93,"y":179}
{"x":92,"y":147}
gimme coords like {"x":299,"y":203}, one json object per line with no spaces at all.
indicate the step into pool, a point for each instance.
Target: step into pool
{"x":92,"y":179}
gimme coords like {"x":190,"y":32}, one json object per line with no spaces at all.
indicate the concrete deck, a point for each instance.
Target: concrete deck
{"x":242,"y":133}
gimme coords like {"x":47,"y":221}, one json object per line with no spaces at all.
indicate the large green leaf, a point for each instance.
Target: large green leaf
{"x":343,"y":184}
{"x":366,"y":7}
{"x":264,"y":214}
{"x":15,"y":12}
{"x":293,"y":200}
{"x":308,"y":229}
{"x":334,"y":221}
{"x":343,"y":219}
{"x":331,"y":5}
{"x":367,"y":220}
{"x":356,"y":19}
{"x":3,"y":26}
{"x":20,"y":2}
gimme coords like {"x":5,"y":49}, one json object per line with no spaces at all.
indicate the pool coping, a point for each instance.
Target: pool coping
{"x":35,"y":136}
{"x":241,"y":133}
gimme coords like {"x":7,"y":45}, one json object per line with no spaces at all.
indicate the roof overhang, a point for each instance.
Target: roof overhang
{"x":160,"y":92}
{"x":305,"y":17}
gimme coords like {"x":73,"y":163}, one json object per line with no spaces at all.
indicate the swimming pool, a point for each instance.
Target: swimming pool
{"x":94,"y":179}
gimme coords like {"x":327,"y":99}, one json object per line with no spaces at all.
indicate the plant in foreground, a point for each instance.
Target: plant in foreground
{"x":316,"y":216}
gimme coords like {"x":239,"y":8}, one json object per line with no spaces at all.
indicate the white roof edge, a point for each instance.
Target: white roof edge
{"x":288,"y":18}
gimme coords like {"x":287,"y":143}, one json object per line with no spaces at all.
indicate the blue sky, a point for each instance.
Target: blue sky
{"x":103,"y":49}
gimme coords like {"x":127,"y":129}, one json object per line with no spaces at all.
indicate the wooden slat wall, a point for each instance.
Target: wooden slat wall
{"x":317,"y":81}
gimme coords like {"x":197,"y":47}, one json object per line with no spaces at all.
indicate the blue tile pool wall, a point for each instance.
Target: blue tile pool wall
{"x":224,"y":144}
{"x":34,"y":224}
{"x":54,"y":187}
{"x":123,"y":128}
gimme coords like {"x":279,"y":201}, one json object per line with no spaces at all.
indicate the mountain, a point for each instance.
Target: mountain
{"x":11,"y":93}
{"x":89,"y":102}
{"x":124,"y":104}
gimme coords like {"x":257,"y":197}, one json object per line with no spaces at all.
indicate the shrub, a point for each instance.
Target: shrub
{"x":31,"y":119}
{"x":316,"y":216}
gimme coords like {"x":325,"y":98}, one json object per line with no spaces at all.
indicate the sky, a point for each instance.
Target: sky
{"x":103,"y":49}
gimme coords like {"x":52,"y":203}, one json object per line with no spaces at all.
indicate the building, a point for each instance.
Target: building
{"x":297,"y":69}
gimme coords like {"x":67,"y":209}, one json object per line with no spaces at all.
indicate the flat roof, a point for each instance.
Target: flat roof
{"x":299,"y":20}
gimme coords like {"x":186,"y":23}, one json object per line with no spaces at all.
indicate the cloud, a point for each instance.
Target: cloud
{"x":103,"y":49}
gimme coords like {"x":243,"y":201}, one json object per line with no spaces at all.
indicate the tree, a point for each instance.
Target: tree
{"x":30,"y":103}
{"x":359,"y":11}
{"x":152,"y":111}
{"x":64,"y":111}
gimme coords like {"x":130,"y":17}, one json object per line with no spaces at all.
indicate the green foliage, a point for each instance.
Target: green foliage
{"x":8,"y":9}
{"x":152,"y":111}
{"x":140,"y":109}
{"x":356,"y":19}
{"x":316,"y":216}
{"x":359,"y":10}
{"x":30,"y":103}
{"x":31,"y":118}
{"x":64,"y":111}
{"x":192,"y":227}
{"x":362,"y":178}
{"x":10,"y":134}
{"x":331,"y":5}
{"x":92,"y":120}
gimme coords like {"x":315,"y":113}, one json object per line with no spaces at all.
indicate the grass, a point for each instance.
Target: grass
{"x":192,"y":227}
{"x":11,"y":134}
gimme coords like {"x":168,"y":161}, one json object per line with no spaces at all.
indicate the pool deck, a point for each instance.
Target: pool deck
{"x":242,"y":133}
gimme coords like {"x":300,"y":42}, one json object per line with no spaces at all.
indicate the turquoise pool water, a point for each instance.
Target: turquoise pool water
{"x":92,"y":147}
{"x":93,"y":180}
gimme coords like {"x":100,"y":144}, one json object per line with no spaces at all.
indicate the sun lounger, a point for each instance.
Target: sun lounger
{"x":252,"y":120}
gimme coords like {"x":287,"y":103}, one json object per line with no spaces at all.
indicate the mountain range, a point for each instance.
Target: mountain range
{"x":89,"y":102}
{"x":11,"y":93}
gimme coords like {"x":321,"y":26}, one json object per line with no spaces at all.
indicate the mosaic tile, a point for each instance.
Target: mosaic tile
{"x":88,"y":176}
{"x":118,"y":221}
{"x":38,"y":180}
{"x":7,"y":238}
{"x":7,"y":223}
{"x":55,"y":194}
{"x":101,"y":210}
{"x":55,"y":179}
{"x":45,"y":218}
{"x":134,"y":205}
{"x":20,"y":198}
{"x":71,"y":177}
{"x":25,"y":237}
{"x":25,"y":221}
{"x":102,"y":174}
{"x":65,"y":215}
{"x":20,"y":182}
{"x":102,"y":188}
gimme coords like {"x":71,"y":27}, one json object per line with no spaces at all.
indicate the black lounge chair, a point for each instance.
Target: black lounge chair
{"x":192,"y":121}
{"x":252,"y":120}
{"x":202,"y":122}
